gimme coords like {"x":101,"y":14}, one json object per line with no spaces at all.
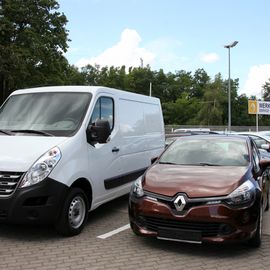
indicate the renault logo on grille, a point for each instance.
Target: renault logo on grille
{"x":180,"y":203}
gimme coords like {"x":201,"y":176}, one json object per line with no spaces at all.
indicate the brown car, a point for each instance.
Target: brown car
{"x":203,"y":188}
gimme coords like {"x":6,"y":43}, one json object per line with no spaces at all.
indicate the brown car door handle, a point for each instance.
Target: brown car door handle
{"x":115,"y":149}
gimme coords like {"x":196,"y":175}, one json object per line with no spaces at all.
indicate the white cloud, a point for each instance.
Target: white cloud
{"x":209,"y":57}
{"x":167,"y":51}
{"x":257,"y":76}
{"x":126,"y":52}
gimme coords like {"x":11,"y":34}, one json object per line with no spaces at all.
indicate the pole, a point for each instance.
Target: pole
{"x":257,"y":122}
{"x":229,"y":92}
{"x":229,"y":46}
{"x":150,"y":89}
{"x":141,"y":62}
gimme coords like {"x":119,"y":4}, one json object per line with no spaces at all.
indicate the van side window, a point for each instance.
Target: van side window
{"x":104,"y":110}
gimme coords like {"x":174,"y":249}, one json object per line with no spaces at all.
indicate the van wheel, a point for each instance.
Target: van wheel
{"x":256,"y":240}
{"x":74,"y":213}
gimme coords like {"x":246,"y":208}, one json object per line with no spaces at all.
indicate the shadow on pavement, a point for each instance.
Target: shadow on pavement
{"x":47,"y":232}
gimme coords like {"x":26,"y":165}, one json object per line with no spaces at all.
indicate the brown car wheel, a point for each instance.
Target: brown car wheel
{"x":256,"y":240}
{"x":267,"y":205}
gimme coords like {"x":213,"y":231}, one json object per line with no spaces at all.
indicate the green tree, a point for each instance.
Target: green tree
{"x":138,"y":80}
{"x":184,"y":82}
{"x":72,"y":76}
{"x":211,"y":110}
{"x":200,"y":83}
{"x":115,"y":77}
{"x":240,"y":116}
{"x":266,"y":90}
{"x":186,"y":99}
{"x":91,"y":74}
{"x":182,"y":111}
{"x":33,"y":39}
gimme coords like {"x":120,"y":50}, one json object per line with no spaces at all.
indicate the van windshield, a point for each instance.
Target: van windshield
{"x":48,"y":114}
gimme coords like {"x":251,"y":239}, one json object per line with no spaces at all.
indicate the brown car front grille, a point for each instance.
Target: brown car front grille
{"x":9,"y":182}
{"x":207,"y":229}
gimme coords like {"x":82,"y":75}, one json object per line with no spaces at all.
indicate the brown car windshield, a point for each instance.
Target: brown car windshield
{"x":206,"y":152}
{"x":44,"y":113}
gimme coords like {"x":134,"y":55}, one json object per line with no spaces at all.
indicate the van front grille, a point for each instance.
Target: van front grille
{"x":9,"y":182}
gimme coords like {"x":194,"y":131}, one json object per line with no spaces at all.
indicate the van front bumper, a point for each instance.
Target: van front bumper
{"x":38,"y":204}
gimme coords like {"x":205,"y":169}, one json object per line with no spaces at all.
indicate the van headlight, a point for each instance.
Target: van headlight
{"x":137,"y":189}
{"x":41,"y":168}
{"x":243,"y":195}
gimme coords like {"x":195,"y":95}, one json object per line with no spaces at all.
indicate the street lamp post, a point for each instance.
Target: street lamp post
{"x":229,"y":46}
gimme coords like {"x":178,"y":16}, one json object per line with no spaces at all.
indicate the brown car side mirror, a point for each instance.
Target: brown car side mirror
{"x":264,"y":163}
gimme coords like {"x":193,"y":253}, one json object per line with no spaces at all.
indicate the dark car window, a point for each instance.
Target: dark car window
{"x":258,"y":141}
{"x":104,"y":109}
{"x":255,"y":158}
{"x":223,"y":152}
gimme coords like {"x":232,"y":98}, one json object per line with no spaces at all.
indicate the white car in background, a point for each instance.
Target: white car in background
{"x":265,"y":133}
{"x":260,"y":138}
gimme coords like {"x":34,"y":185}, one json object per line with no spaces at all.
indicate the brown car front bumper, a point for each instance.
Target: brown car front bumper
{"x":205,"y":223}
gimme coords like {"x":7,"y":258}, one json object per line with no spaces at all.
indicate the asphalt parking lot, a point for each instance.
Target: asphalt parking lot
{"x":99,"y":246}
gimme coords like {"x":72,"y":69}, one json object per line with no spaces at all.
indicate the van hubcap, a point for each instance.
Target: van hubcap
{"x":76,"y":213}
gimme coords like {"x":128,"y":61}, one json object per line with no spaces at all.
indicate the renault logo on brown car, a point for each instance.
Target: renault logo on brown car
{"x":180,"y":203}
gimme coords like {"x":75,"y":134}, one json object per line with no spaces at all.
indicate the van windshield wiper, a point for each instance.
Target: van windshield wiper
{"x":32,"y":131}
{"x":5,"y":132}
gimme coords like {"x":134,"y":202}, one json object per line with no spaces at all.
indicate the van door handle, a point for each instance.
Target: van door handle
{"x":115,"y":149}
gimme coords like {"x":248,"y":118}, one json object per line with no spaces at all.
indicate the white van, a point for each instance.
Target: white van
{"x":66,"y":150}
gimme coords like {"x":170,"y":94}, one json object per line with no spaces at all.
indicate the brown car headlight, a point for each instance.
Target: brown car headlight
{"x":243,"y":195}
{"x":137,"y":189}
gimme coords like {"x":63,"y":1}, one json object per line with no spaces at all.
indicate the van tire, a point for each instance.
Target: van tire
{"x":74,"y":213}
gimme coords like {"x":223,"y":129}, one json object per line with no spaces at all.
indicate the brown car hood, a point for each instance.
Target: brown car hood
{"x":195,"y":181}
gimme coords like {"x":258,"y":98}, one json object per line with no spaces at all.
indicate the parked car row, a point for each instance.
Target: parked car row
{"x":67,"y":150}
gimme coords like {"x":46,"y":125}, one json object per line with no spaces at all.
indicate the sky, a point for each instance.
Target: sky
{"x":173,"y":35}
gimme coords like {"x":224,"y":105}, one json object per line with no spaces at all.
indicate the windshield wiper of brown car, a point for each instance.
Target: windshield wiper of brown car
{"x":5,"y":132}
{"x":170,"y":163}
{"x":39,"y":132}
{"x":207,"y":164}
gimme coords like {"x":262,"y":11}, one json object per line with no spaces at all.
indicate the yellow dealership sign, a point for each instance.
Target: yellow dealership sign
{"x":252,"y":106}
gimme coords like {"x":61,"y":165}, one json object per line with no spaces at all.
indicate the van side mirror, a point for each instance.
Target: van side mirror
{"x":98,"y":132}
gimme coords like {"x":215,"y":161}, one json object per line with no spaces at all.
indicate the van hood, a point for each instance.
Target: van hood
{"x":195,"y":181}
{"x":18,"y":153}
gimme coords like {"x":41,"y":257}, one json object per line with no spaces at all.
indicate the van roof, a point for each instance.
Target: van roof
{"x":88,"y":89}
